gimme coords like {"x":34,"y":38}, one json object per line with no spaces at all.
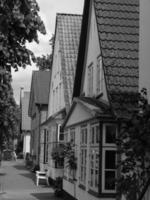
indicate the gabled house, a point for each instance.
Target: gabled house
{"x":105,"y":90}
{"x":26,"y":123}
{"x":67,"y":34}
{"x":37,"y":111}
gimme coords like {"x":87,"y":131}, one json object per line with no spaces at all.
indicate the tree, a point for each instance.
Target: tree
{"x":9,"y":111}
{"x":135,"y":149}
{"x":19,"y":24}
{"x":45,"y":62}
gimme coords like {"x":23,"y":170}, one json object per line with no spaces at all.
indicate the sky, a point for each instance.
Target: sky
{"x":48,"y":10}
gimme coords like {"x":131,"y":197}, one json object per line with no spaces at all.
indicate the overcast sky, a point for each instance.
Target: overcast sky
{"x":48,"y":10}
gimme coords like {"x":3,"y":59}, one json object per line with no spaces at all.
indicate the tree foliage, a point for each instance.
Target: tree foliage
{"x":9,"y":111}
{"x":135,"y":150}
{"x":19,"y":23}
{"x":45,"y":62}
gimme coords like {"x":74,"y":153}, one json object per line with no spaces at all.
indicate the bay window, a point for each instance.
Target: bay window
{"x":83,"y":154}
{"x":94,"y":157}
{"x":109,"y":158}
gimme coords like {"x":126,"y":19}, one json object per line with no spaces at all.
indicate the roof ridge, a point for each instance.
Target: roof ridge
{"x":68,"y":14}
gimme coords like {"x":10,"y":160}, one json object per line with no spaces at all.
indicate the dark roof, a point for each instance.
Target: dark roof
{"x":39,"y":93}
{"x":118,"y":30}
{"x":69,"y":28}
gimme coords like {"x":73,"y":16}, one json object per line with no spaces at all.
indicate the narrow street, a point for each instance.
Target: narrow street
{"x":18,"y":183}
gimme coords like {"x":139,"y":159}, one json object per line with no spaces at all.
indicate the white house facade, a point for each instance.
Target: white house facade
{"x":105,"y":83}
{"x":67,"y":34}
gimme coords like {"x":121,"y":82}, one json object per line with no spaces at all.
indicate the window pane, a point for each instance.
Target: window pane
{"x":97,"y":134}
{"x":110,"y":134}
{"x":110,"y":159}
{"x":109,"y":180}
{"x":92,"y":135}
{"x":85,"y":136}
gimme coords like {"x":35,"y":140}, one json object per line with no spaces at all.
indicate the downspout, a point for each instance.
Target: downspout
{"x":39,"y":138}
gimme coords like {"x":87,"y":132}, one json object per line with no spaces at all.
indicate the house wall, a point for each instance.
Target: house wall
{"x":144,"y":54}
{"x":56,"y":98}
{"x":78,"y":115}
{"x":52,"y":171}
{"x":92,"y":53}
{"x":37,"y":119}
{"x":26,"y":121}
{"x":26,"y":142}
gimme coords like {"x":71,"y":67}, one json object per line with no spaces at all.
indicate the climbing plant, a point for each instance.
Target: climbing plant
{"x":135,"y":150}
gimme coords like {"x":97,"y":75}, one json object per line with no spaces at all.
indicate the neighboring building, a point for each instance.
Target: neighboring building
{"x":144,"y":53}
{"x":26,"y":123}
{"x":67,"y":34}
{"x":105,"y":90}
{"x":38,"y":106}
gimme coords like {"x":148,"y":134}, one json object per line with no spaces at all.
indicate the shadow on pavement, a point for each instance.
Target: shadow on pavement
{"x":2,"y":174}
{"x":45,"y":196}
{"x":28,"y":175}
{"x":20,"y":167}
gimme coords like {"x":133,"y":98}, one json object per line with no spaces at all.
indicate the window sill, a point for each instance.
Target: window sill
{"x":82,"y":186}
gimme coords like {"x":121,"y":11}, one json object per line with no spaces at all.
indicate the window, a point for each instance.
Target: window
{"x":72,"y":135}
{"x":94,"y":169}
{"x":94,"y":157}
{"x":90,"y":80}
{"x":110,"y":158}
{"x":94,"y":135}
{"x":56,"y":99}
{"x":99,"y":81}
{"x":83,"y":154}
{"x":66,"y":136}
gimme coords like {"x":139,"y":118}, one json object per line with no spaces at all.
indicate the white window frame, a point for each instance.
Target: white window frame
{"x":107,"y":147}
{"x":104,"y":135}
{"x":100,"y":76}
{"x":72,"y":135}
{"x":94,"y":125}
{"x":94,"y":147}
{"x":90,"y":79}
{"x":83,"y":148}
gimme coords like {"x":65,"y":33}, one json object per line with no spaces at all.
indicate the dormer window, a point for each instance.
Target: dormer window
{"x":99,"y":81}
{"x":90,"y":80}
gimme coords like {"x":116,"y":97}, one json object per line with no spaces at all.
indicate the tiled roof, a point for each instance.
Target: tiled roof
{"x":39,"y":89}
{"x":41,"y":81}
{"x":118,"y":29}
{"x":69,"y":28}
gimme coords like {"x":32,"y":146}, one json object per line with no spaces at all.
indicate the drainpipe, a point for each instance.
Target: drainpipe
{"x":39,"y":126}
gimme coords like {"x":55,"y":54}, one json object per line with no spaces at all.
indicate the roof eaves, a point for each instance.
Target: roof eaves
{"x":81,"y":51}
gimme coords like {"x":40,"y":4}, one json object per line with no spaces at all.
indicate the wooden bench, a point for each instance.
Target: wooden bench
{"x":41,"y":175}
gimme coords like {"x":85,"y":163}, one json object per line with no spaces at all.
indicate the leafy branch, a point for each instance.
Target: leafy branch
{"x":135,"y":150}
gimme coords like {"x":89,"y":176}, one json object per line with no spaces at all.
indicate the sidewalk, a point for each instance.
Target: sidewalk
{"x":18,"y":183}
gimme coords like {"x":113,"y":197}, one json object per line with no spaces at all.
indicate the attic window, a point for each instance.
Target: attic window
{"x":99,"y":79}
{"x":90,"y":79}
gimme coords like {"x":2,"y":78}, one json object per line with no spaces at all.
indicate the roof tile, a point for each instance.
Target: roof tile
{"x":69,"y":27}
{"x":118,"y":28}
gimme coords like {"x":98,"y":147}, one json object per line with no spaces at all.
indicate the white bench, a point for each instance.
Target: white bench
{"x":41,"y":175}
